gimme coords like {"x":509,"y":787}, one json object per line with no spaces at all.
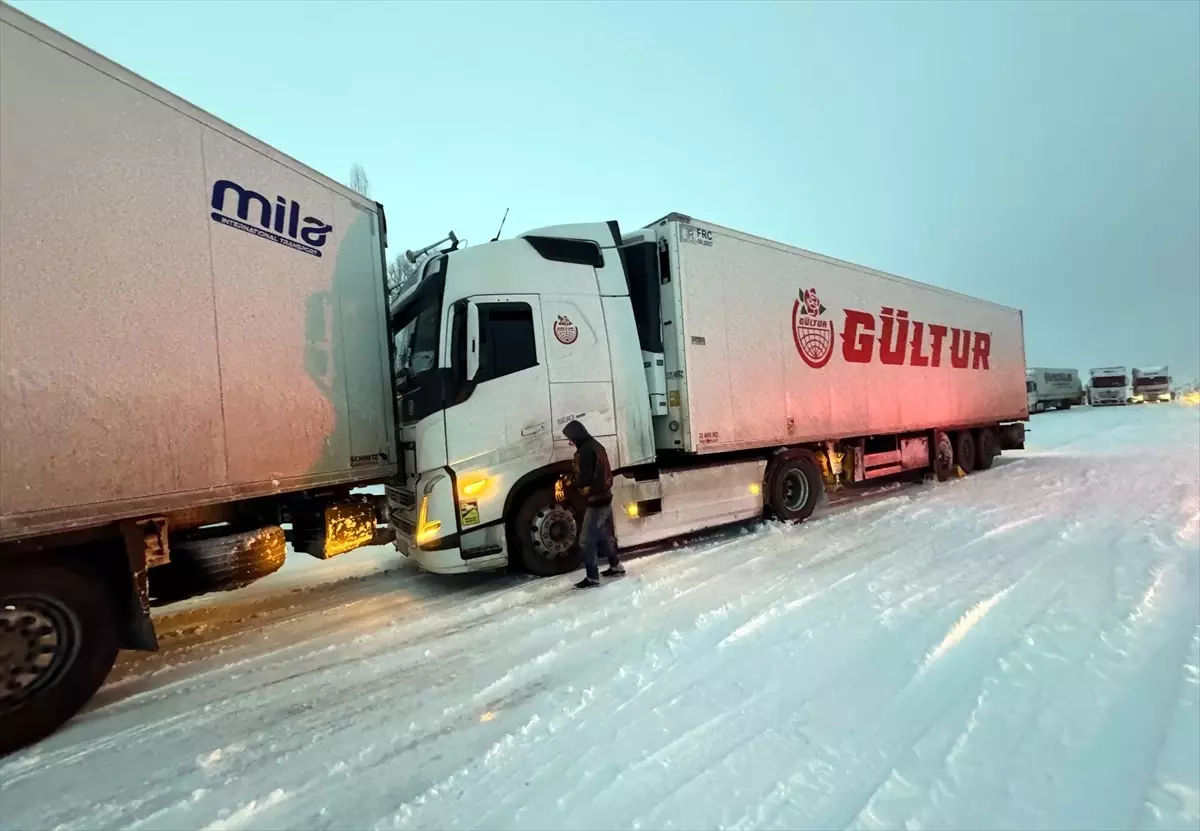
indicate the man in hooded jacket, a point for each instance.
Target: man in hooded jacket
{"x":592,"y":478}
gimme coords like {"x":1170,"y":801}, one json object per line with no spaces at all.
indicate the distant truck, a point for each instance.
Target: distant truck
{"x":1058,"y":389}
{"x":1151,"y":384}
{"x":194,"y":352}
{"x":1109,"y":385}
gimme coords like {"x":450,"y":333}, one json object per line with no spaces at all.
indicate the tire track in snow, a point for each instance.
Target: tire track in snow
{"x":864,"y":754}
{"x":850,"y":543}
{"x":927,"y":789}
{"x":674,"y":691}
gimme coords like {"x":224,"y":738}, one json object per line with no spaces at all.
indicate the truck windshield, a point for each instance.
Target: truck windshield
{"x":1109,"y":381}
{"x":1151,"y":381}
{"x":417,"y":340}
{"x":417,"y":323}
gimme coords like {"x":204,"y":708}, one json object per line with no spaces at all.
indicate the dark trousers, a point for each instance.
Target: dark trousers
{"x":597,"y":534}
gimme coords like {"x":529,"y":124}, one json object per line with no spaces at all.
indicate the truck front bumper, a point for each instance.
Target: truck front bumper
{"x":424,"y":520}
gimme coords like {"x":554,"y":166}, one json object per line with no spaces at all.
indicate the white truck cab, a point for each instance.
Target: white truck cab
{"x":534,"y":331}
{"x":1109,"y":385}
{"x":1151,"y":384}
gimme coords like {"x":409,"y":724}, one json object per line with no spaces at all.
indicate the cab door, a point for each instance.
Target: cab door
{"x":499,"y":427}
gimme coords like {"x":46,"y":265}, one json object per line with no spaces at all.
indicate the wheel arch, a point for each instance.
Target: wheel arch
{"x":531,"y":481}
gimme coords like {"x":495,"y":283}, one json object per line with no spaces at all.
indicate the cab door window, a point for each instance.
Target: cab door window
{"x":506,"y":340}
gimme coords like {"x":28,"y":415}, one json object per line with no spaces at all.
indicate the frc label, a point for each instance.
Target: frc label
{"x":695,"y":236}
{"x":250,"y":212}
{"x":565,"y":332}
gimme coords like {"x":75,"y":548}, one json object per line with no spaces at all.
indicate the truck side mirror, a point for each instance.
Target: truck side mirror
{"x":472,"y":341}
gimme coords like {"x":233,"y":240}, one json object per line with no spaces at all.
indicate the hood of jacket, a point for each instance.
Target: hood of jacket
{"x":576,"y":432}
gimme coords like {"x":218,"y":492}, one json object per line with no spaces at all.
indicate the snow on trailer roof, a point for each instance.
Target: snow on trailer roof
{"x":675,"y":216}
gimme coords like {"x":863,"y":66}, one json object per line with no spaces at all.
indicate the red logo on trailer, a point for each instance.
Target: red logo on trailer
{"x":811,"y":331}
{"x":565,"y":332}
{"x":892,"y":338}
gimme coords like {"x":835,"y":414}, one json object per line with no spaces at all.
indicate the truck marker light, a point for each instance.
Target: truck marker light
{"x":473,"y":488}
{"x":632,"y":509}
{"x":755,"y":488}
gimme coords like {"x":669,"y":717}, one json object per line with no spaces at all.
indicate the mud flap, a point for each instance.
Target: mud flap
{"x":145,"y":545}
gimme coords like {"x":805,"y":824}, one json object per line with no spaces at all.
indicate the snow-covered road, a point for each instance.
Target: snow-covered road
{"x":1016,"y":649}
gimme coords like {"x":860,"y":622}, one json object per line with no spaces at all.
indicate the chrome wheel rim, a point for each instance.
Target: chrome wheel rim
{"x":553,"y":531}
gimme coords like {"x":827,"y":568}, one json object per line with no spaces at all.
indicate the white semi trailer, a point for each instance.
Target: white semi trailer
{"x":1053,"y":388}
{"x":728,"y":376}
{"x":194,"y":352}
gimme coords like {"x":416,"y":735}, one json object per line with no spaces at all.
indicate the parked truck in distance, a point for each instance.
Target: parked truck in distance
{"x":1108,"y":385}
{"x":728,"y":377}
{"x":1151,"y":385}
{"x":195,"y":357}
{"x":1053,"y":389}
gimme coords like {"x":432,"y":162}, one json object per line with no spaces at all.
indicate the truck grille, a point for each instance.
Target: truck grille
{"x":402,"y":510}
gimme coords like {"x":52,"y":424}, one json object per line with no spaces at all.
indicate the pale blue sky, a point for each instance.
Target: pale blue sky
{"x":1044,"y":155}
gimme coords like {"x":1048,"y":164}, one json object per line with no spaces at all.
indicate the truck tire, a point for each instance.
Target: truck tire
{"x":793,"y":486}
{"x":546,"y":534}
{"x":59,"y":630}
{"x":986,"y":445}
{"x":943,"y":456}
{"x":218,"y":563}
{"x":964,"y":451}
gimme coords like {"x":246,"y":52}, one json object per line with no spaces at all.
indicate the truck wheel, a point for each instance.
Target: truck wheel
{"x":964,"y":451}
{"x":794,"y":486}
{"x":218,"y":563}
{"x":59,"y":630}
{"x":986,"y":445}
{"x":943,"y":456}
{"x":546,"y":533}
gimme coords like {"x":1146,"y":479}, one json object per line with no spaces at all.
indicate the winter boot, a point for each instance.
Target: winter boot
{"x":613,"y":571}
{"x":587,"y":583}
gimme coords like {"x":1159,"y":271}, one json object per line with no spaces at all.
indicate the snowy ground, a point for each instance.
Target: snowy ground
{"x":1016,"y":649}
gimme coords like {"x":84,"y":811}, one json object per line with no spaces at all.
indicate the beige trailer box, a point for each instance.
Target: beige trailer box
{"x":186,"y":314}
